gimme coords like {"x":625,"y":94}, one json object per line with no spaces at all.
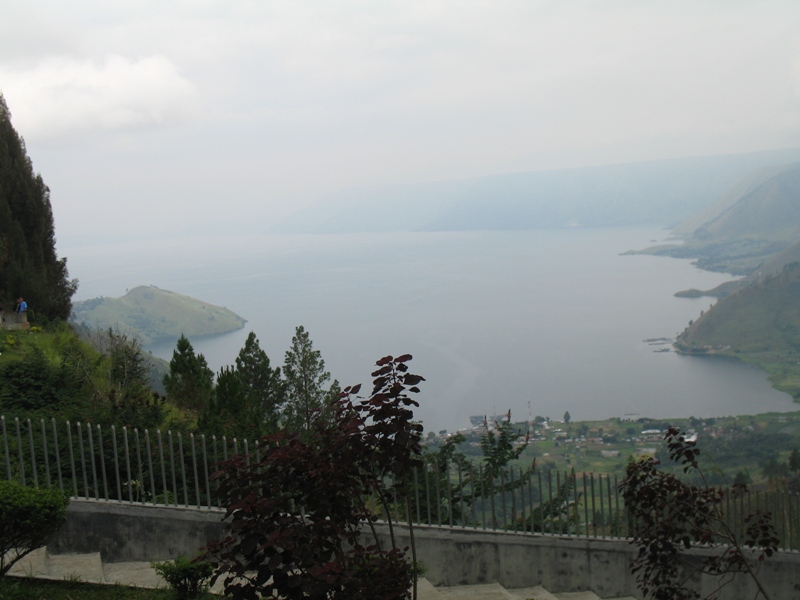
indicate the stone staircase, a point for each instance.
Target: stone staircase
{"x":90,"y":568}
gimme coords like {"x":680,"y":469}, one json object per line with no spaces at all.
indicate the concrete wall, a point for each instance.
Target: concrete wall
{"x":134,"y":532}
{"x":126,"y":532}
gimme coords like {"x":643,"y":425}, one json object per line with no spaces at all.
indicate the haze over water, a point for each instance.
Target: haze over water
{"x":495,"y":320}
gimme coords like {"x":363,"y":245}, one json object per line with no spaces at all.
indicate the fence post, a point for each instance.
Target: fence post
{"x":175,"y":495}
{"x":46,"y":453}
{"x":117,"y":476}
{"x":194,"y":469}
{"x":128,"y":474}
{"x":205,"y":470}
{"x":58,"y":452}
{"x":149,"y":452}
{"x":427,"y":495}
{"x":438,"y":494}
{"x":5,"y":448}
{"x":33,"y":454}
{"x":139,"y":471}
{"x":163,"y":468}
{"x":19,"y":452}
{"x":79,"y":431}
{"x":72,"y":460}
{"x":94,"y":463}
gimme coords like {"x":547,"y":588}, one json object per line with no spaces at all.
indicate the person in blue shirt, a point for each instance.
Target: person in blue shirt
{"x":22,"y":306}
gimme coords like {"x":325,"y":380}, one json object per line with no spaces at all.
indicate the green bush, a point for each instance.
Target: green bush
{"x":28,"y":518}
{"x":188,"y":579}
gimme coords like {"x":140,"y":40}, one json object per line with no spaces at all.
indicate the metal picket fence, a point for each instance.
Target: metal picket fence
{"x":171,"y":469}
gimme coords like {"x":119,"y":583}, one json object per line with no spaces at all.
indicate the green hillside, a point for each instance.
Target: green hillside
{"x":759,"y":324}
{"x":755,"y":221}
{"x":152,"y":314}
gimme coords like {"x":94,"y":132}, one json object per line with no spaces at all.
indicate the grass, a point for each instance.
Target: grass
{"x":28,"y":588}
{"x":151,"y":313}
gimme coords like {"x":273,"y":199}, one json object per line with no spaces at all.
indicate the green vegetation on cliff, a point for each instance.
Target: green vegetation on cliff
{"x":29,"y":266}
{"x":759,"y":324}
{"x":151,"y":314}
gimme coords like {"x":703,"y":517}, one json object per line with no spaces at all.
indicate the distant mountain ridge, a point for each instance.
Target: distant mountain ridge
{"x":151,"y":314}
{"x":660,"y":193}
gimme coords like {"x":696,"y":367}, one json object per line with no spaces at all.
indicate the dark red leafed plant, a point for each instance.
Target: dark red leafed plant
{"x":296,"y":511}
{"x":671,"y":516}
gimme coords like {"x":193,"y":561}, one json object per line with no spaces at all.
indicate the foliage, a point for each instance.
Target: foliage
{"x":29,"y":265}
{"x":305,"y":379}
{"x":28,"y":518}
{"x":499,"y":447}
{"x":189,"y":579}
{"x":30,"y":588}
{"x":483,"y":480}
{"x":759,"y":324}
{"x":558,"y":514}
{"x":35,"y":383}
{"x":189,"y":383}
{"x":131,"y":402}
{"x":303,"y":538}
{"x":672,"y":515}
{"x":248,"y":396}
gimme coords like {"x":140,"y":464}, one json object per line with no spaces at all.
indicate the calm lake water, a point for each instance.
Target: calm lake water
{"x":539,"y":321}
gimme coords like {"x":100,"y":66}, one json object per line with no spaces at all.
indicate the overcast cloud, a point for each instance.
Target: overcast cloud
{"x":157,"y":116}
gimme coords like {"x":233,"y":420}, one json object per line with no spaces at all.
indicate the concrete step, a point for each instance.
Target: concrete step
{"x":426,"y":591}
{"x":78,"y":567}
{"x":532,"y":593}
{"x":90,"y":568}
{"x":139,"y":574}
{"x":488,"y":591}
{"x":31,"y":565}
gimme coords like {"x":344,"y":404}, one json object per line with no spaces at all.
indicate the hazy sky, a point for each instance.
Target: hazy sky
{"x":151,"y":116}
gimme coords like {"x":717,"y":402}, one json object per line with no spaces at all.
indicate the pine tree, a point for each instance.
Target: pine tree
{"x":189,"y":383}
{"x":29,"y":265}
{"x":247,"y":397}
{"x":264,"y":391}
{"x":306,"y":396}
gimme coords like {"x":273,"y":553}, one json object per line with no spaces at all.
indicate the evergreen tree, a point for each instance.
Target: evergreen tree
{"x":29,"y":266}
{"x":189,"y":383}
{"x":223,"y":414}
{"x":248,"y":396}
{"x":132,"y":403}
{"x":264,"y":391}
{"x":306,"y":396}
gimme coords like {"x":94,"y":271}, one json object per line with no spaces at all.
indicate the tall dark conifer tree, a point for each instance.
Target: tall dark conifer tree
{"x":29,"y":266}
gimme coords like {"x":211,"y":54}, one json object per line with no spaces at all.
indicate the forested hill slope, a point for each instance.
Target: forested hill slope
{"x":771,"y":211}
{"x":759,"y":324}
{"x":29,"y":266}
{"x":151,"y":314}
{"x":750,"y":225}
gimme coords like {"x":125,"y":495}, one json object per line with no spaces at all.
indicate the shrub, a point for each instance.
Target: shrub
{"x":28,"y":518}
{"x":188,"y":579}
{"x":295,"y":510}
{"x":671,"y":516}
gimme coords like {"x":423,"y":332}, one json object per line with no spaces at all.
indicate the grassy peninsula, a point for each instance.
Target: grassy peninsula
{"x":151,"y":314}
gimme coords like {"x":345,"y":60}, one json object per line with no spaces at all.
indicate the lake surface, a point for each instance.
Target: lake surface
{"x":538,"y":322}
